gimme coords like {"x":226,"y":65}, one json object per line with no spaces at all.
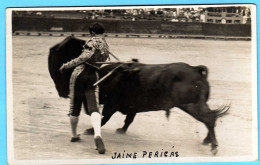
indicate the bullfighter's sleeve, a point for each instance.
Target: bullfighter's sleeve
{"x":85,"y":55}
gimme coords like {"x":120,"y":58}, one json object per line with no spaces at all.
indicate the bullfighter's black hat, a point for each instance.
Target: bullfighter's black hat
{"x":97,"y":28}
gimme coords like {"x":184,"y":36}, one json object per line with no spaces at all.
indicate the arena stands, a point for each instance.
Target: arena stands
{"x":223,"y":15}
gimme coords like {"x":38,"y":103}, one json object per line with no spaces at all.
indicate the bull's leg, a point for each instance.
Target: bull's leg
{"x":201,"y":112}
{"x":107,"y":114}
{"x":129,"y":119}
{"x":207,"y":140}
{"x":210,"y":138}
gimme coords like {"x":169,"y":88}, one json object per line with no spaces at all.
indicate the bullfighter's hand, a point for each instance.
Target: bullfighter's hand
{"x":62,"y":68}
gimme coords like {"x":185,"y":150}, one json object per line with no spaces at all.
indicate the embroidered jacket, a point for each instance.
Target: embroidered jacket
{"x":95,"y":50}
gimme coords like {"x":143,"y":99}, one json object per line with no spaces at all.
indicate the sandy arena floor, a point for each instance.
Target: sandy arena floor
{"x":42,"y":129}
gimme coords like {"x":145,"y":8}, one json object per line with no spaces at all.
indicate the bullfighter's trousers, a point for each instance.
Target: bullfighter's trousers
{"x":92,"y":94}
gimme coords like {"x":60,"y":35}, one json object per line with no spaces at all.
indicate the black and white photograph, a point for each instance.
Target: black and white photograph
{"x":131,"y":84}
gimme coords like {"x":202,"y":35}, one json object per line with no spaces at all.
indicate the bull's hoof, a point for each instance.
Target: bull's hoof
{"x":214,"y":151}
{"x":89,"y":131}
{"x":100,"y":145}
{"x":120,"y":131}
{"x":206,"y":141}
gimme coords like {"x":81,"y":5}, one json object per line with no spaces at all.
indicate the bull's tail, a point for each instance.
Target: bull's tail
{"x":222,"y":110}
{"x":203,"y":70}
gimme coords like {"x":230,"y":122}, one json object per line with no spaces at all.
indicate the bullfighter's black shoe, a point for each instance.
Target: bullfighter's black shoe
{"x":75,"y":139}
{"x":100,"y":145}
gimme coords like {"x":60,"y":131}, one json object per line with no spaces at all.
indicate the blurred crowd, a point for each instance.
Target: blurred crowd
{"x":194,"y":14}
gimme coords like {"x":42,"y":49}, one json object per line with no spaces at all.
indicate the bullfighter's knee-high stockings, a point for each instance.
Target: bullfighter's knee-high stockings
{"x":96,"y":123}
{"x":74,"y":123}
{"x":93,"y":106}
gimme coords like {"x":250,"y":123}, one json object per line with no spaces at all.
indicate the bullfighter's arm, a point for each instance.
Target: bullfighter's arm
{"x":85,"y":55}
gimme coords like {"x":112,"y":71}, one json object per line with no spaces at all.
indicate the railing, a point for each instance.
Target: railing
{"x":111,"y":35}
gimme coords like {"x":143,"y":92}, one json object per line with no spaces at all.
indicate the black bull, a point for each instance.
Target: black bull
{"x":136,"y":87}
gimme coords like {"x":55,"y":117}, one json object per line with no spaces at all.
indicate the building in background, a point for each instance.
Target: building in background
{"x":218,"y":15}
{"x":227,"y":15}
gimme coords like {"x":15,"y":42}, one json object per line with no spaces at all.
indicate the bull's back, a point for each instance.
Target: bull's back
{"x":163,"y":86}
{"x":163,"y":75}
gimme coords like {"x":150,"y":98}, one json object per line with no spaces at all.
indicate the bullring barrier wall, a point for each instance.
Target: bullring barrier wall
{"x":43,"y":24}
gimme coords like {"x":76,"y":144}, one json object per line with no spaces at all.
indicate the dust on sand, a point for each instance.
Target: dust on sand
{"x":42,"y":129}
